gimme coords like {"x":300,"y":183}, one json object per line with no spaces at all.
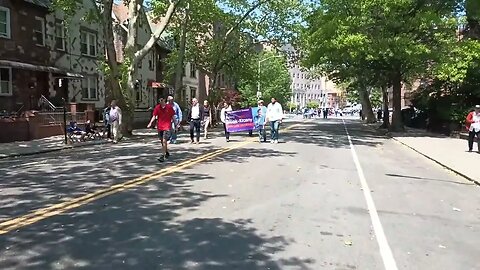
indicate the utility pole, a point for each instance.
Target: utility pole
{"x":65,"y":120}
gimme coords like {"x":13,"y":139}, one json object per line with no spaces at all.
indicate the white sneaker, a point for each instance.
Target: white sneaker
{"x":272,"y":141}
{"x":276,"y":141}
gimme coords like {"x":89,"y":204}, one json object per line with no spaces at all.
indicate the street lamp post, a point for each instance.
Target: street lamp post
{"x":259,"y":93}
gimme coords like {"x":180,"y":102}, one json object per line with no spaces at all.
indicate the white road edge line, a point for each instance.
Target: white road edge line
{"x":385,"y":250}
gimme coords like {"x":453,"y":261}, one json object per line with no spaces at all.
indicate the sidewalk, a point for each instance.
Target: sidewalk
{"x":451,"y":153}
{"x":45,"y":145}
{"x":56,"y":143}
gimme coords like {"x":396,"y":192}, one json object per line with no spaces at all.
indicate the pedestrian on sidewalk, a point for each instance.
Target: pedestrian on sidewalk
{"x":275,"y":117}
{"x":178,"y":119}
{"x":206,"y":118}
{"x":195,"y":117}
{"x":473,"y":126}
{"x":223,"y":115}
{"x":107,"y":127}
{"x":379,"y":114}
{"x":115,"y":115}
{"x":260,"y":121}
{"x":165,"y":115}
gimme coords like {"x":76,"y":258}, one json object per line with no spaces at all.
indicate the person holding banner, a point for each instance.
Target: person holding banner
{"x":223,"y":115}
{"x":275,"y":117}
{"x":260,"y":121}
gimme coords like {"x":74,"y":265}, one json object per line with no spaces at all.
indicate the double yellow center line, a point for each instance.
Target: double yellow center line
{"x":56,"y":209}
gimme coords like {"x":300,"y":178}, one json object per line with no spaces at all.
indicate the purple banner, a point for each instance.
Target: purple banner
{"x":241,"y":120}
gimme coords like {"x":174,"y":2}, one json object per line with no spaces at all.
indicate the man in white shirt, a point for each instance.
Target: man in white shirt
{"x":115,"y":121}
{"x":195,"y":118}
{"x":275,"y":117}
{"x":223,"y":115}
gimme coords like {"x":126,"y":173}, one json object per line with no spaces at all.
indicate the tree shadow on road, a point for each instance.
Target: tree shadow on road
{"x":45,"y":180}
{"x":417,"y":178}
{"x":331,"y":134}
{"x":145,"y":229}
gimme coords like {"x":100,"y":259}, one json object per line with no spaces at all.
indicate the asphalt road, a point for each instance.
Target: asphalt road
{"x":310,"y":202}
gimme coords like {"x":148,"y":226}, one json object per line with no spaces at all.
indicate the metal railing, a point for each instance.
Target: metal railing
{"x":49,"y":111}
{"x":46,"y":106}
{"x":56,"y":118}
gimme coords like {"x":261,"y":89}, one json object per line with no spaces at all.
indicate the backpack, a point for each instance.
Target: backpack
{"x":106,"y":115}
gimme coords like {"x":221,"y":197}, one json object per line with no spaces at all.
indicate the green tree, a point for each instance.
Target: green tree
{"x":121,"y":76}
{"x":453,"y":88}
{"x":313,"y":105}
{"x":380,"y":43}
{"x":376,"y":97}
{"x":274,"y":80}
{"x":222,"y":37}
{"x":291,"y":106}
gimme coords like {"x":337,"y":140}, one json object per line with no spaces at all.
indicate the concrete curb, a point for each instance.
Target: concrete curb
{"x":477,"y":182}
{"x":53,"y":149}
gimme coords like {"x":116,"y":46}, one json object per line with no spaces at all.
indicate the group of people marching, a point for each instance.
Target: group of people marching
{"x":112,"y":119}
{"x":168,"y":116}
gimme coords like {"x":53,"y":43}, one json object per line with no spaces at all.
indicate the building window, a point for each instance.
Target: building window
{"x":193,"y":71}
{"x":60,"y":34}
{"x":88,"y":43}
{"x":39,"y":31}
{"x":4,"y":22}
{"x":5,"y":81}
{"x":151,"y":61}
{"x":90,"y":88}
{"x":193,"y":92}
{"x":138,"y":95}
{"x":184,"y":94}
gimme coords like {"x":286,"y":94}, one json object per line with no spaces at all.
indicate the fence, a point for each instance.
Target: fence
{"x":56,"y":118}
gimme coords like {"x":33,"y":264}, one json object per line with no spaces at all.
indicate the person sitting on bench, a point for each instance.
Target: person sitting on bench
{"x":74,"y":129}
{"x":92,"y":130}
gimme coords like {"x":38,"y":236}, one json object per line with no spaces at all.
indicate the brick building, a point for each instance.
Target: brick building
{"x":25,"y":69}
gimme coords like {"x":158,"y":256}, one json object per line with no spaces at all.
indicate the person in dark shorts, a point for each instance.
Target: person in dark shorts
{"x":165,"y":115}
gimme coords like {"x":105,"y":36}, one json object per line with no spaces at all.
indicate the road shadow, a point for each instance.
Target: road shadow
{"x":30,"y":183}
{"x":331,"y":133}
{"x":410,"y":177}
{"x":145,"y":229}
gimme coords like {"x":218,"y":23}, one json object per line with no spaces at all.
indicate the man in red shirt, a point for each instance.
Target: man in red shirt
{"x":165,"y":115}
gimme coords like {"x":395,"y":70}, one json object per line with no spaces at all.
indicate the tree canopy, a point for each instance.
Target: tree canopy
{"x":274,"y":80}
{"x":379,"y":42}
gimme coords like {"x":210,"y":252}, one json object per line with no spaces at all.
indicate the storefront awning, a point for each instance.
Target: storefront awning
{"x":154,"y":84}
{"x":20,"y":65}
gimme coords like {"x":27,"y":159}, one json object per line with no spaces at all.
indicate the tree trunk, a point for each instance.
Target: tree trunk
{"x":397,"y":123}
{"x":367,"y":110}
{"x":212,"y":95}
{"x":128,"y":107}
{"x":114,"y":76}
{"x":386,"y":112}
{"x":181,"y":55}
